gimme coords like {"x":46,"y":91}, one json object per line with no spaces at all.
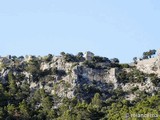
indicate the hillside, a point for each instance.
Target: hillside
{"x":81,"y":87}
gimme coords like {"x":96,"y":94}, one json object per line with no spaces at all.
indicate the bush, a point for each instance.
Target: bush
{"x":134,"y":89}
{"x":115,"y":61}
{"x":154,"y":79}
{"x":33,"y":67}
{"x":48,"y":58}
{"x":125,"y":65}
{"x":45,"y":72}
{"x":89,"y":64}
{"x":134,"y":76}
{"x":97,"y":59}
{"x":55,"y":71}
{"x":70,"y":58}
{"x":80,"y":57}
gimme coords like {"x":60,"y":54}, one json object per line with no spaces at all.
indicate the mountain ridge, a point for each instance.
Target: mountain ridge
{"x":81,"y":77}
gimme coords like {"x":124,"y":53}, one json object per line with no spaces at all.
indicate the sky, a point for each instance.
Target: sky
{"x":111,"y":28}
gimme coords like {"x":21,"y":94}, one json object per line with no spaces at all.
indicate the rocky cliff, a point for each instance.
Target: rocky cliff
{"x":74,"y":76}
{"x":70,"y":87}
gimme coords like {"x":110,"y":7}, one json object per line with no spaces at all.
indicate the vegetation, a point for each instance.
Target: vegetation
{"x":149,"y":54}
{"x":136,"y":76}
{"x":72,"y":58}
{"x":135,"y":60}
{"x":41,"y":106}
{"x":97,"y":62}
{"x":124,"y":66}
{"x":115,"y":61}
{"x":48,"y":58}
{"x":93,"y":99}
{"x":145,"y":55}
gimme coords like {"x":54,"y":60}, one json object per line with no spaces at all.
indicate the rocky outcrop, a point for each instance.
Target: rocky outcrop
{"x":151,"y":65}
{"x":70,"y":79}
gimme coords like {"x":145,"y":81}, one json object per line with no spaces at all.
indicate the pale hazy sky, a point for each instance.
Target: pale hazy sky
{"x":111,"y":28}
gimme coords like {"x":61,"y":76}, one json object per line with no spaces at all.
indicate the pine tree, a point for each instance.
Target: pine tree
{"x":96,"y":101}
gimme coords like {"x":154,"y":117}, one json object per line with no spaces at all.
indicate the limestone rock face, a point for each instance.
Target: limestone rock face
{"x":147,"y":86}
{"x":4,"y":75}
{"x":151,"y":65}
{"x":70,"y":79}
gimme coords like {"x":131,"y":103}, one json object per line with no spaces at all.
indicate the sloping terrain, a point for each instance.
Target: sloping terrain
{"x":76,"y":87}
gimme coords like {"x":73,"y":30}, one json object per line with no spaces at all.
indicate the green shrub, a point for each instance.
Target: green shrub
{"x":134,"y":76}
{"x":89,"y":64}
{"x":55,"y":71}
{"x":97,"y":59}
{"x":70,"y":58}
{"x":125,"y":65}
{"x":48,"y":58}
{"x":134,"y":89}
